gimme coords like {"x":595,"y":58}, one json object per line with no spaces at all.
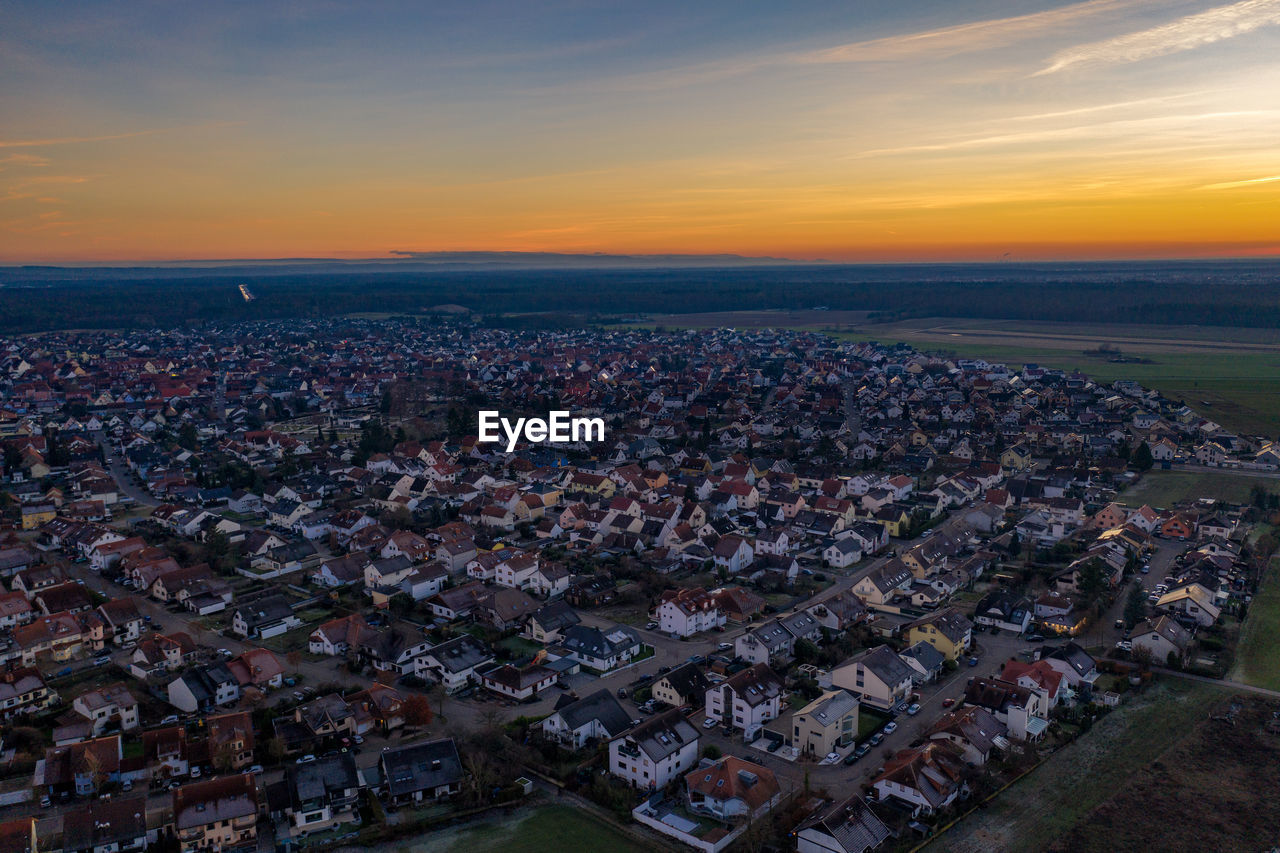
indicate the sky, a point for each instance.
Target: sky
{"x":848,"y":131}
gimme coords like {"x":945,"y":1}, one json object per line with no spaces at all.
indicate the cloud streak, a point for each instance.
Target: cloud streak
{"x":1186,"y":33}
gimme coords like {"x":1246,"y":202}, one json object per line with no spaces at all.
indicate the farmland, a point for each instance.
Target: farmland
{"x":1058,"y":797}
{"x":1258,"y":654}
{"x":1164,"y":489}
{"x":536,"y":830}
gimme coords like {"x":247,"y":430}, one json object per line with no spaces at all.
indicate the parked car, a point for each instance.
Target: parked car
{"x":890,"y":727}
{"x":973,"y":661}
{"x":622,"y":693}
{"x":1035,"y":638}
{"x":170,"y":720}
{"x":724,"y":647}
{"x":1124,"y":646}
{"x":948,"y":702}
{"x":649,"y":626}
{"x":876,"y":739}
{"x":102,"y":660}
{"x":709,"y":723}
{"x":852,"y":757}
{"x":256,"y":769}
{"x":832,"y":757}
{"x":913,"y":709}
{"x":306,"y":759}
{"x":862,"y":749}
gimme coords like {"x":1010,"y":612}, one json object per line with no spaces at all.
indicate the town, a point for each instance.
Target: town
{"x":265,"y":587}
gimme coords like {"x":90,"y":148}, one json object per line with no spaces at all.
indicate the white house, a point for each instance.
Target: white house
{"x":746,"y":700}
{"x":655,"y":752}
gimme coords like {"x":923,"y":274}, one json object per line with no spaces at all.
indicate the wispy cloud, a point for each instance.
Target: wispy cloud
{"x":962,"y":38}
{"x":1226,"y":185}
{"x":69,"y":140}
{"x":1186,"y":33}
{"x":72,"y":140}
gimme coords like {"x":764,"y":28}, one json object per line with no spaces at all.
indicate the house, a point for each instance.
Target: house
{"x":883,"y":583}
{"x":430,"y":770}
{"x":105,"y":826}
{"x":926,"y":660}
{"x":112,"y":705}
{"x":1023,"y":710}
{"x":974,"y":730}
{"x":843,"y":552}
{"x":732,"y":788}
{"x":949,"y":631}
{"x":316,"y":796}
{"x":230,"y":740}
{"x":1079,"y":670}
{"x":654,"y":752}
{"x":519,"y":683}
{"x":337,"y":636}
{"x":81,"y":768}
{"x":926,"y":778}
{"x":878,"y":677}
{"x":847,"y":827}
{"x":828,"y":722}
{"x":217,"y":814}
{"x":341,"y":571}
{"x":685,"y":612}
{"x":732,"y":554}
{"x":1038,"y":676}
{"x":454,"y":662}
{"x":257,"y":668}
{"x":1164,"y":639}
{"x":1192,"y":602}
{"x":601,"y":650}
{"x":746,"y":700}
{"x":23,"y":691}
{"x":839,"y":611}
{"x":267,"y":617}
{"x":771,"y":641}
{"x":686,"y":685}
{"x":548,"y":623}
{"x":204,"y":688}
{"x":593,"y":717}
{"x":1004,"y":609}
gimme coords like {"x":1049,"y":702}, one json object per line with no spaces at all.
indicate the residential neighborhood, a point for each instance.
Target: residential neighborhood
{"x":264,"y":587}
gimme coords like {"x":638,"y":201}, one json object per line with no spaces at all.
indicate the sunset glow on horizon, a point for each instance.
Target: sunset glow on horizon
{"x":849,"y":131}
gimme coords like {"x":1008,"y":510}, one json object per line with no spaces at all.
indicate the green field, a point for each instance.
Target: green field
{"x":1163,"y":489}
{"x":548,"y":829}
{"x":1258,"y":652}
{"x":1035,"y":812}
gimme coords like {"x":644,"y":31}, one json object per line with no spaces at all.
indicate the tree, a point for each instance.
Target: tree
{"x":417,"y":710}
{"x":1135,"y":606}
{"x":295,"y":660}
{"x":1142,"y":459}
{"x":1092,"y":581}
{"x":1015,"y":544}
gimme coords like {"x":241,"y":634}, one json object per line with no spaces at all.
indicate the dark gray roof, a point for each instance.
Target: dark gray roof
{"x":689,"y":681}
{"x":853,"y":826}
{"x":556,"y":616}
{"x":421,"y":766}
{"x":320,"y":780}
{"x":461,"y":653}
{"x":601,"y":706}
{"x":884,"y":663}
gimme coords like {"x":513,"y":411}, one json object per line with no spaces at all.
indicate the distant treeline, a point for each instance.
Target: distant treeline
{"x":1227,"y":293}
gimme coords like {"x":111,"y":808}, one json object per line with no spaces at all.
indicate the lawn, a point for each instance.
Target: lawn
{"x":548,"y":829}
{"x":1035,"y":812}
{"x":1163,"y":489}
{"x":1258,"y":652}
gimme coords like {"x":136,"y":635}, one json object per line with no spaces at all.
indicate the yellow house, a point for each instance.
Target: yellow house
{"x":949,"y":631}
{"x":1016,"y":458}
{"x":827,"y":722}
{"x":894,"y":519}
{"x":34,"y":516}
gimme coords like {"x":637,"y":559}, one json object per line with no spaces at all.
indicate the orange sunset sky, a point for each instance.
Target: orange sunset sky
{"x":838,"y":130}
